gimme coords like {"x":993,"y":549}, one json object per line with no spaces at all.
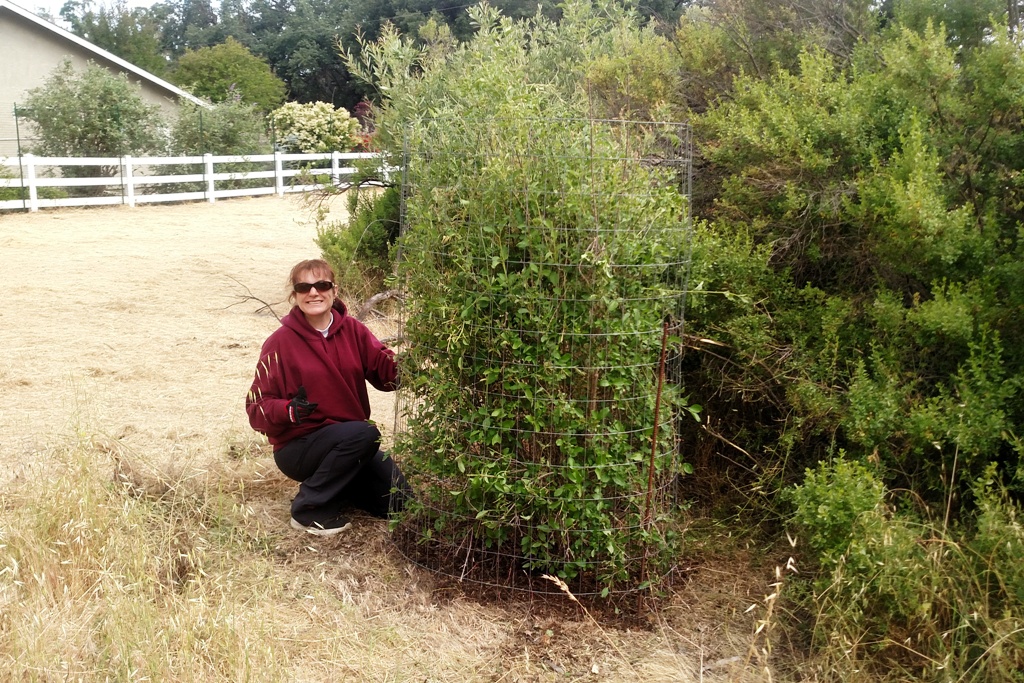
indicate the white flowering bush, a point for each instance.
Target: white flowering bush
{"x":314,"y":127}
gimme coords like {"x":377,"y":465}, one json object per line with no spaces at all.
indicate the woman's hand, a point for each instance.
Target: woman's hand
{"x":299,"y":408}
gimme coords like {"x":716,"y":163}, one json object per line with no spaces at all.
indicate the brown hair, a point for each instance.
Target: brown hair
{"x":317,"y":267}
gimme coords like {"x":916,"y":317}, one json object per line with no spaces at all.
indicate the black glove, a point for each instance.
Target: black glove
{"x":299,"y":408}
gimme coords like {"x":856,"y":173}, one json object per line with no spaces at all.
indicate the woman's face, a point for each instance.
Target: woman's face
{"x":314,"y":303}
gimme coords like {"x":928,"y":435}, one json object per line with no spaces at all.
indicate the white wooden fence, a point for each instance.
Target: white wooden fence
{"x":137,"y":183}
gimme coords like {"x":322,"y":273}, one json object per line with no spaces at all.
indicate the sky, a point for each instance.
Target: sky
{"x":53,"y":6}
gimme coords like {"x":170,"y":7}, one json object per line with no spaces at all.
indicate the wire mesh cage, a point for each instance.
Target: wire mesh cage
{"x":546,"y":266}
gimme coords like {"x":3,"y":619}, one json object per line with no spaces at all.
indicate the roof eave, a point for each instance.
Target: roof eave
{"x":100,"y":52}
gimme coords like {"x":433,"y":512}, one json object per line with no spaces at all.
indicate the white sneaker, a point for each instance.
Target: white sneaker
{"x":331,"y":528}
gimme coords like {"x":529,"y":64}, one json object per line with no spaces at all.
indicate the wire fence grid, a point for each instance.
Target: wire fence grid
{"x":547,"y":263}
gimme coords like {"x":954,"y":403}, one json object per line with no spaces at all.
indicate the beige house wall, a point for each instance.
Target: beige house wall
{"x":28,"y":55}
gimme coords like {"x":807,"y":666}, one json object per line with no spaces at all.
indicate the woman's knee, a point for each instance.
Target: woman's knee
{"x":353,"y":432}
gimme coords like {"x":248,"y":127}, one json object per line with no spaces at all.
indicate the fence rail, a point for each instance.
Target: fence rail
{"x":43,"y":182}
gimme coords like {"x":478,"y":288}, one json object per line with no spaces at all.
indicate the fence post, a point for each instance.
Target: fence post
{"x":335,"y":172}
{"x":21,"y":163}
{"x":30,"y":176}
{"x":278,"y":174}
{"x":211,"y":188}
{"x":128,"y":178}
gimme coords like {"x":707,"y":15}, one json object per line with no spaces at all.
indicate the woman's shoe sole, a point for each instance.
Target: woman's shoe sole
{"x":318,"y":530}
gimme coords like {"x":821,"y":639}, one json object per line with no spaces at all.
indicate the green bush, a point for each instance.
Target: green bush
{"x":878,"y":282}
{"x":94,"y":113}
{"x":898,"y":597}
{"x":534,"y":321}
{"x":540,"y":256}
{"x":859,"y":278}
{"x":832,"y":502}
{"x":359,"y":249}
{"x":230,"y":127}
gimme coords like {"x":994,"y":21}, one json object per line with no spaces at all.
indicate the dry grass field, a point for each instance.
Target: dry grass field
{"x":143,"y":525}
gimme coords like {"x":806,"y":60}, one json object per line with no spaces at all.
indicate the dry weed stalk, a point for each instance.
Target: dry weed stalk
{"x":764,"y":625}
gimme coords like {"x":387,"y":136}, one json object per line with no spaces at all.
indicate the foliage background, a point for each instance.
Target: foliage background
{"x":299,"y":39}
{"x":229,"y":70}
{"x":857,"y":284}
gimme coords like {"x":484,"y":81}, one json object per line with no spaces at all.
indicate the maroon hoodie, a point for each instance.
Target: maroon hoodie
{"x":334,"y":371}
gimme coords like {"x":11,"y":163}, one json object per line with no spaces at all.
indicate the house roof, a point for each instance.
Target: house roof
{"x":100,"y":53}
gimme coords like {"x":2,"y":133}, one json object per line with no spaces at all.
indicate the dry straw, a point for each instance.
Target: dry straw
{"x":115,"y":569}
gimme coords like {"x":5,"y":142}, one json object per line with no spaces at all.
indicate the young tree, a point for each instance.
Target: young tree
{"x":220,"y":72}
{"x":92,"y":113}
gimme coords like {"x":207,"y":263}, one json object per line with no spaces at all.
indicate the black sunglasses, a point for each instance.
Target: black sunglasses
{"x":304,"y":287}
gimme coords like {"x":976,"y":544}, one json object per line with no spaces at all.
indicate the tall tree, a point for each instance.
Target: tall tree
{"x":224,"y":71}
{"x":299,"y":39}
{"x":132,"y":34}
{"x":187,"y":24}
{"x":967,"y":23}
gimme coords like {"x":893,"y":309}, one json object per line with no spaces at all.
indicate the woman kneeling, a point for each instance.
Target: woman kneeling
{"x":309,"y":397}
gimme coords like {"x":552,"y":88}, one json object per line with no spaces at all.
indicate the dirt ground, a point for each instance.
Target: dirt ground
{"x":131,"y":325}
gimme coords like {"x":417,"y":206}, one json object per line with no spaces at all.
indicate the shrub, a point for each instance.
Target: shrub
{"x":92,"y":113}
{"x":541,"y":254}
{"x":359,"y":249}
{"x":95,"y":113}
{"x":314,"y":127}
{"x":228,"y":127}
{"x":533,"y":365}
{"x":884,"y":282}
{"x":928,"y":600}
{"x":833,"y":500}
{"x":231,"y":127}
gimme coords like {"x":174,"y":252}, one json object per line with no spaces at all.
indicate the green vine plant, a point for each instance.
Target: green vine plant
{"x":545,"y":263}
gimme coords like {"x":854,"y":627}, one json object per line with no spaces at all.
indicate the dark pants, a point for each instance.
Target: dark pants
{"x":341,"y":465}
